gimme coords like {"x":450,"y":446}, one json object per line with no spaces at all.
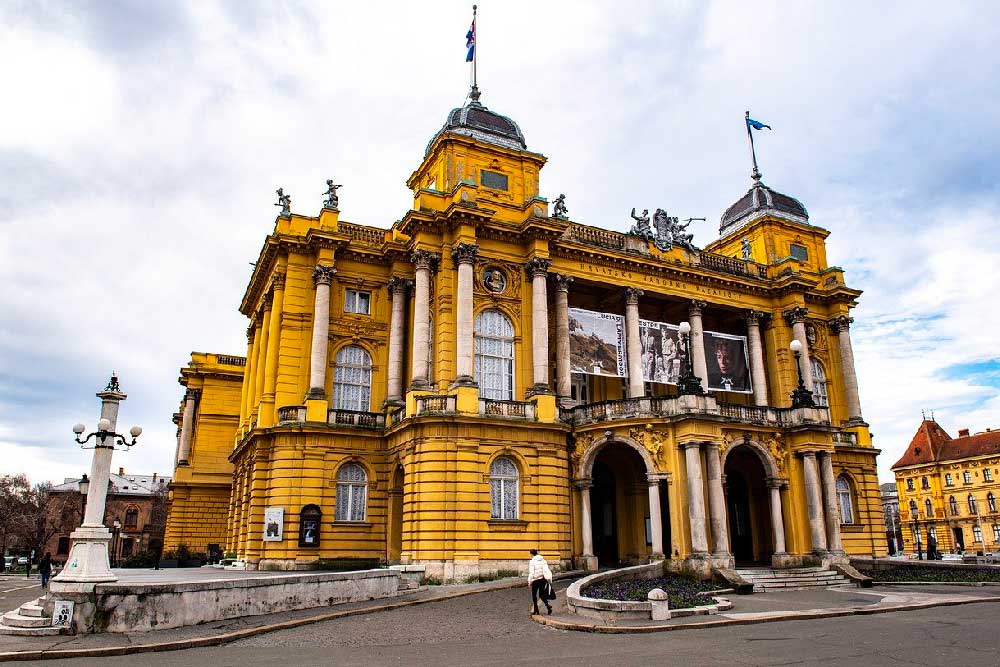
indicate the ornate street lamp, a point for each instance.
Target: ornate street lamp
{"x":801,"y":397}
{"x":88,"y":561}
{"x":688,"y":384}
{"x":84,"y":487}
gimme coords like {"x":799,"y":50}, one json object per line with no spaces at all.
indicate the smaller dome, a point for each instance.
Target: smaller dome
{"x":761,"y":199}
{"x":476,"y":121}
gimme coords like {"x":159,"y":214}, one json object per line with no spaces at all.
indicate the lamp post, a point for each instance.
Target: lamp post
{"x":84,"y":487}
{"x":801,"y":397}
{"x":115,"y":541}
{"x":916,"y":538}
{"x":688,"y":384}
{"x":88,"y":561}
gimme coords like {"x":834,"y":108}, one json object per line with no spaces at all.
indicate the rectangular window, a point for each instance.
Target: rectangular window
{"x":996,"y":533}
{"x":358,"y":302}
{"x":967,"y":477}
{"x":948,"y":481}
{"x":491,"y":179}
{"x":909,"y":485}
{"x":799,"y":252}
{"x":977,"y":534}
{"x":987,"y":475}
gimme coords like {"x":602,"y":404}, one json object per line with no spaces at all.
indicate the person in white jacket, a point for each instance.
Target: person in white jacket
{"x":539,"y":577}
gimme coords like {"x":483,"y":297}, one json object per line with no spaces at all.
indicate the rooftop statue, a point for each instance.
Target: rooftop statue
{"x":284,"y":201}
{"x":747,"y":250}
{"x":559,"y":207}
{"x":641,"y":226}
{"x":332,"y":200}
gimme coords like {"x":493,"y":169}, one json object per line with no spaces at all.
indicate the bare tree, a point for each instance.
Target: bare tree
{"x":15,"y":516}
{"x":52,"y":514}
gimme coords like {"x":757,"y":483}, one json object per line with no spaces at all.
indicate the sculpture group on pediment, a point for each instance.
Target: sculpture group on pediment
{"x":666,"y":231}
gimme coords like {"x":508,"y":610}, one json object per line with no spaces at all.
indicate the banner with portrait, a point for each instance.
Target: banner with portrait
{"x":597,"y":343}
{"x":661,"y":353}
{"x":728,"y":363}
{"x":274,"y":524}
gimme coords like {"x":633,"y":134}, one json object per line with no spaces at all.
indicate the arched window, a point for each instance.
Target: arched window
{"x":929,"y":508}
{"x":953,"y":505}
{"x":973,"y":509}
{"x":913,"y":509}
{"x":352,"y":379}
{"x":503,"y":489}
{"x":352,"y":492}
{"x":819,"y":384}
{"x":309,"y":526}
{"x":495,"y":355}
{"x":924,"y":484}
{"x":844,"y":498}
{"x":991,"y":501}
{"x":131,"y":518}
{"x":909,"y":484}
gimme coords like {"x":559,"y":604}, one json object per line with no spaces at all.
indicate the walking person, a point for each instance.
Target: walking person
{"x":45,"y":569}
{"x":539,"y":578}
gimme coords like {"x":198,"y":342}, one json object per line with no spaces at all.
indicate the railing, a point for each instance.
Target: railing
{"x":649,"y":406}
{"x":229,"y":360}
{"x":751,"y":414}
{"x":598,"y":237}
{"x":433,"y":404}
{"x":396,"y":416}
{"x":292,"y":413}
{"x":516,"y":409}
{"x":363,"y":235}
{"x":845,"y":438}
{"x":730,"y":265}
{"x":375,"y":420}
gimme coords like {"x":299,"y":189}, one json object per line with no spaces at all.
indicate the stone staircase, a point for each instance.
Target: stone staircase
{"x":768,"y":580}
{"x":28,"y":620}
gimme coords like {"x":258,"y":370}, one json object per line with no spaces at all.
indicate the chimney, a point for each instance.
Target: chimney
{"x":121,"y":471}
{"x":963,"y":433}
{"x":154,"y":477}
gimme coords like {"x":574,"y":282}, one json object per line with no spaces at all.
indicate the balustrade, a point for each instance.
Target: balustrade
{"x":373,"y":420}
{"x":515,"y":409}
{"x":653,"y":407}
{"x":291,"y":413}
{"x":430,"y":404}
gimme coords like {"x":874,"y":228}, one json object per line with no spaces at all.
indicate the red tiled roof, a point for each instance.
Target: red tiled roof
{"x":931,"y":443}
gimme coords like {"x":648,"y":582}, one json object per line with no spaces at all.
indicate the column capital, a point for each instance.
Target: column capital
{"x":841,"y":324}
{"x":695,"y":307}
{"x":583,"y":483}
{"x":561,"y":281}
{"x":465,"y":253}
{"x":712,"y":444}
{"x":756,"y":318}
{"x":687,"y":444}
{"x":537,"y":266}
{"x":425,"y":259}
{"x":251,"y":333}
{"x":399,"y":286}
{"x":192,"y":394}
{"x":632,"y":295}
{"x":796,"y":315}
{"x":323,"y":275}
{"x":278,"y":281}
{"x":654,"y":478}
{"x":775,"y":483}
{"x":268,"y":300}
{"x":808,"y":453}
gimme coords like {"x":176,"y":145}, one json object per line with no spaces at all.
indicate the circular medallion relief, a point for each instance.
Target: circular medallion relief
{"x":494,"y":280}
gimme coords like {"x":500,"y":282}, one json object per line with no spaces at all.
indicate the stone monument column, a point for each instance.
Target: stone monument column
{"x":814,"y":502}
{"x":633,"y":344}
{"x":538,"y":269}
{"x":796,"y":318}
{"x":464,"y":255}
{"x":756,"y":351}
{"x":842,"y":327}
{"x":696,"y":340}
{"x":777,"y":522}
{"x":322,"y":277}
{"x":563,"y":379}
{"x":424,"y":263}
{"x":831,"y":511}
{"x":655,"y":519}
{"x":187,"y":428}
{"x":696,"y":498}
{"x":718,"y":518}
{"x":397,"y":323}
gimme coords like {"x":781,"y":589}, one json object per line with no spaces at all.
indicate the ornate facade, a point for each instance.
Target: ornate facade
{"x":413,"y":394}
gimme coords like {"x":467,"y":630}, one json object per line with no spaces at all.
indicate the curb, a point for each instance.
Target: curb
{"x":804,"y":615}
{"x":937,"y":583}
{"x":226,"y":638}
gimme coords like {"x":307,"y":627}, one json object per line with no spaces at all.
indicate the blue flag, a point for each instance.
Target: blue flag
{"x":756,"y":124}
{"x":470,"y":42}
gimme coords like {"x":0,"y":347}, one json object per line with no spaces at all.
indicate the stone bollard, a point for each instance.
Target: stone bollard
{"x":660,"y":603}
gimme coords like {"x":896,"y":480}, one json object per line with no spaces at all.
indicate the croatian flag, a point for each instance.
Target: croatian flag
{"x":756,"y":124}
{"x":470,"y":42}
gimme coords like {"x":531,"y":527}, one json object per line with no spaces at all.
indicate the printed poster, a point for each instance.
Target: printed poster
{"x":661,"y":353}
{"x":728,"y":363}
{"x":274,"y":524}
{"x":597,"y":343}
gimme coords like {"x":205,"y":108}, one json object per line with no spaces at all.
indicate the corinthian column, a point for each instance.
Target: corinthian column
{"x":697,"y":342}
{"x":397,"y":323}
{"x":563,"y":380}
{"x":633,"y":345}
{"x":814,"y":502}
{"x":464,"y":255}
{"x":322,"y":277}
{"x":538,"y":269}
{"x":696,"y":498}
{"x":424,"y":262}
{"x":187,"y":426}
{"x":266,"y":416}
{"x":716,"y":500}
{"x":796,"y":318}
{"x":830,"y":510}
{"x":756,"y":351}
{"x":842,"y":327}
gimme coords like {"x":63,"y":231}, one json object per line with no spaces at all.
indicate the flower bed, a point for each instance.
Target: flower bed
{"x":957,"y":574}
{"x":683,"y":591}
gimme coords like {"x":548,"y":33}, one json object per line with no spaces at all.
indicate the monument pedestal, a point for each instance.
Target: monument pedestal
{"x":88,"y":559}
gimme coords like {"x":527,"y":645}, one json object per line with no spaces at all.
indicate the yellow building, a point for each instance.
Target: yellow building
{"x":487,"y":376}
{"x":949,"y":490}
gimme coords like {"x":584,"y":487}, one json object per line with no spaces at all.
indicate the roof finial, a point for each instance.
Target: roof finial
{"x":923,"y":415}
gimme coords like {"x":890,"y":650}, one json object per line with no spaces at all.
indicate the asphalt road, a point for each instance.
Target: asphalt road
{"x":494,"y":629}
{"x":16,"y":590}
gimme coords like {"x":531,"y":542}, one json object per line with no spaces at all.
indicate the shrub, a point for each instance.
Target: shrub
{"x":141,"y":559}
{"x":944,"y":575}
{"x":682,"y":591}
{"x":183,"y":552}
{"x":430,"y":581}
{"x":229,"y":555}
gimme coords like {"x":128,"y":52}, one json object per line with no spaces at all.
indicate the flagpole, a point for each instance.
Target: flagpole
{"x":474,"y":93}
{"x":755,"y":174}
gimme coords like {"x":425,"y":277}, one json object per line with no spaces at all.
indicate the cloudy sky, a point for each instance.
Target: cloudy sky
{"x":141,"y":143}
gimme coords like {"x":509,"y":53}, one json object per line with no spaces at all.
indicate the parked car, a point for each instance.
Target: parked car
{"x":957,"y":557}
{"x":8,"y":562}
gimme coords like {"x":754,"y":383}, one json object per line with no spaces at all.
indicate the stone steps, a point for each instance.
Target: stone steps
{"x":14,"y":619}
{"x":28,"y":620}
{"x":765,"y":580}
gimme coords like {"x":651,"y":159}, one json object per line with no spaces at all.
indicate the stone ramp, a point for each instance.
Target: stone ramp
{"x":769,"y":580}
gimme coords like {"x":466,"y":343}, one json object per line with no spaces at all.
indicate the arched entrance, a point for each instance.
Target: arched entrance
{"x":748,"y":506}
{"x":394,"y":546}
{"x":621,"y":522}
